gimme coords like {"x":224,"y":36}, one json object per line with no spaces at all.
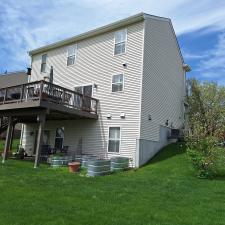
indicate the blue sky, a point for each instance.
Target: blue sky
{"x":28,"y":24}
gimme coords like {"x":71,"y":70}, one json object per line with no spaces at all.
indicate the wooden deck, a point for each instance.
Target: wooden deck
{"x":28,"y":100}
{"x":40,"y":101}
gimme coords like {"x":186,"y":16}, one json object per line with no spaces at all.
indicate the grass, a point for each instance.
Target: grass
{"x":14,"y":144}
{"x":164,"y":192}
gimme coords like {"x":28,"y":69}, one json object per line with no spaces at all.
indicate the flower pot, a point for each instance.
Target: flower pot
{"x":74,"y":166}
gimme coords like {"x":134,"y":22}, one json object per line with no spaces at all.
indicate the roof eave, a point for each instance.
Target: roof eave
{"x":112,"y":26}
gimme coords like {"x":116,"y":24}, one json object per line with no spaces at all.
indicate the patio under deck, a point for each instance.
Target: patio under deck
{"x":40,"y":101}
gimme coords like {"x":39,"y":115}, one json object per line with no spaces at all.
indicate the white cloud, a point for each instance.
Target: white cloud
{"x":210,"y":64}
{"x":215,"y":61}
{"x":25,"y":24}
{"x":188,"y":55}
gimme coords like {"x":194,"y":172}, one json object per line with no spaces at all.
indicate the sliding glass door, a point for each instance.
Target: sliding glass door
{"x":59,"y":138}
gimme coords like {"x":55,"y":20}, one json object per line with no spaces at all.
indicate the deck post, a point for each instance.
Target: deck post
{"x":41,"y":119}
{"x":8,"y":139}
{"x":12,"y":135}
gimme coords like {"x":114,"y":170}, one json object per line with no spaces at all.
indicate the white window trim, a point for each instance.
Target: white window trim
{"x":119,"y":73}
{"x":45,"y":63}
{"x":67,"y":56}
{"x":114,"y":153}
{"x":114,"y":44}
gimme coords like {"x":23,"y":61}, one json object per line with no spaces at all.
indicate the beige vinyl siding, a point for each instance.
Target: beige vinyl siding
{"x":163,"y":80}
{"x":27,"y":139}
{"x":96,"y":63}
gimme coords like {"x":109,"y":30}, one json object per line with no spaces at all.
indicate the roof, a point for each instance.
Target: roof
{"x":13,"y":78}
{"x":13,"y":73}
{"x":112,"y":26}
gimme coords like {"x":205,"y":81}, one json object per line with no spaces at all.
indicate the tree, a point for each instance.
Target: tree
{"x":206,"y":120}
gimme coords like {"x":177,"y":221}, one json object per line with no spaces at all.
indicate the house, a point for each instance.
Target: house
{"x":113,"y":91}
{"x":11,"y":79}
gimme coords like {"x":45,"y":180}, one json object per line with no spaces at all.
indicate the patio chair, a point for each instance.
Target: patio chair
{"x":15,"y":93}
{"x":32,"y":93}
{"x":56,"y":96}
{"x":45,"y":152}
{"x":64,"y":150}
{"x":67,"y":98}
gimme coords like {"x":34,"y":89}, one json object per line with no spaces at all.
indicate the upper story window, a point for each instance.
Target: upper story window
{"x":71,"y":55}
{"x":120,"y":39}
{"x":114,"y":139}
{"x":117,"y":82}
{"x":43,"y":63}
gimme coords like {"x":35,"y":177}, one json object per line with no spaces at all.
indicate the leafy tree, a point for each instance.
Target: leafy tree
{"x":206,"y":122}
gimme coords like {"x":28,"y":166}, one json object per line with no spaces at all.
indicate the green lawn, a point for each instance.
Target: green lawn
{"x":14,"y":144}
{"x":164,"y":192}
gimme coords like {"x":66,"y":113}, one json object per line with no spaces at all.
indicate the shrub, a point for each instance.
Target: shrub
{"x":218,"y":166}
{"x":206,"y":128}
{"x":206,"y":156}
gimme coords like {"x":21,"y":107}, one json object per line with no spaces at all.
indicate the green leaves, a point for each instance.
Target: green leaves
{"x":206,"y":121}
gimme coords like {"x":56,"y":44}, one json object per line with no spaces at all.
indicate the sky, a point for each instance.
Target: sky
{"x":29,"y":24}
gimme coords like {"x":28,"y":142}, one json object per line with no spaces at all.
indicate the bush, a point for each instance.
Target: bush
{"x":207,"y":157}
{"x":218,"y":167}
{"x":206,"y":127}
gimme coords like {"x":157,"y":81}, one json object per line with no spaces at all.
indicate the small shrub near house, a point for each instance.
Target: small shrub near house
{"x":206,"y":121}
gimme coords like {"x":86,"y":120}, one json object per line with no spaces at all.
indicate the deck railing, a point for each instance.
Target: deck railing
{"x":45,"y":91}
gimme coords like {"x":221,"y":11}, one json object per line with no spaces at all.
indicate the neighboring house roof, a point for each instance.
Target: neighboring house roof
{"x":13,"y":78}
{"x":112,"y":26}
{"x":11,"y":73}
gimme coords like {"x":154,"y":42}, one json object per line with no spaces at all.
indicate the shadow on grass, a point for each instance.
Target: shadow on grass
{"x":169,"y":151}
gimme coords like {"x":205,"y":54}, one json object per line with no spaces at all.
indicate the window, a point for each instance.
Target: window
{"x":117,"y":83}
{"x":120,"y":42}
{"x":71,"y":55}
{"x":114,"y":139}
{"x":43,"y":63}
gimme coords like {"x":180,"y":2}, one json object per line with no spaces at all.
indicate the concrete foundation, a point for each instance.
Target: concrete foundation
{"x":146,"y":149}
